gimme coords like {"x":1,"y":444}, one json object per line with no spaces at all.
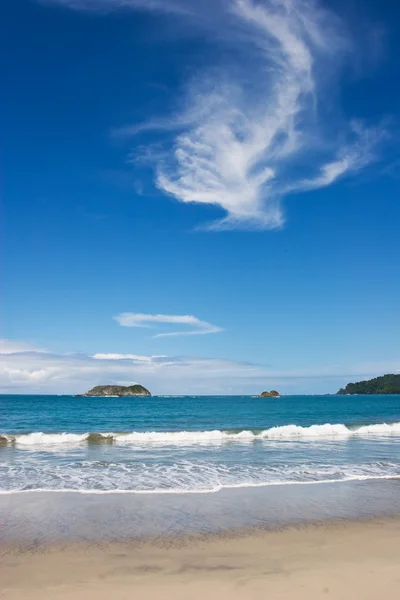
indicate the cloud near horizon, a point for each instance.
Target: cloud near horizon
{"x":197,"y":327}
{"x":13,"y":346}
{"x":33,"y":371}
{"x":257,"y":124}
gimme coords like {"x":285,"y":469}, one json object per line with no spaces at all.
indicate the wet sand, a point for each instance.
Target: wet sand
{"x":101,"y":518}
{"x":343,"y":560}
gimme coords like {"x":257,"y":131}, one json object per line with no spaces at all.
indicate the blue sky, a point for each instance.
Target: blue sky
{"x":202,"y":197}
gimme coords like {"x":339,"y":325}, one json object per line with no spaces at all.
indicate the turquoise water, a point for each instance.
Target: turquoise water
{"x":194,"y":444}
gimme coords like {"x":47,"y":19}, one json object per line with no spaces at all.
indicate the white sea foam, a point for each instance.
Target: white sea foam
{"x":183,"y":437}
{"x":39,"y":438}
{"x":285,"y":432}
{"x":196,"y":491}
{"x":379,"y":429}
{"x":177,"y":481}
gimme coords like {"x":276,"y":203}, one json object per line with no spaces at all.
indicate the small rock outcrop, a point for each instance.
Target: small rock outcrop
{"x":271,"y":394}
{"x":117,"y":390}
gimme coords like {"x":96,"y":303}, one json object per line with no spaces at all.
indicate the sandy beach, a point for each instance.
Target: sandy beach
{"x":330,"y":560}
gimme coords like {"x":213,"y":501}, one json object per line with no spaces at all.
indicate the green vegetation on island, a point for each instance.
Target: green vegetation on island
{"x":271,"y":394}
{"x":386,"y":384}
{"x":118,"y":390}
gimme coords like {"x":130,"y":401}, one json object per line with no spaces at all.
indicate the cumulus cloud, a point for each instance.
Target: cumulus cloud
{"x":196,"y":327}
{"x":46,"y":372}
{"x":251,"y":128}
{"x":35,"y":372}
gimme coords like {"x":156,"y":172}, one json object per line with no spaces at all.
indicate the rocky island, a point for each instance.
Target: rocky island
{"x":271,"y":394}
{"x":386,"y":384}
{"x":117,"y":390}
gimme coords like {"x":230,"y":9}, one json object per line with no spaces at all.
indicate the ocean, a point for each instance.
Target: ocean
{"x":175,"y":445}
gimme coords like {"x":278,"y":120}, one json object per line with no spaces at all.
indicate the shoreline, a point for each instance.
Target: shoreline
{"x":183,"y":492}
{"x":45,"y":518}
{"x":339,"y":558}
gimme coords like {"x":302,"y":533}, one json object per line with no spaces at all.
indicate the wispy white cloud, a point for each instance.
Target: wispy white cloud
{"x":46,"y":372}
{"x":350,"y":159}
{"x":196,"y":326}
{"x":252,"y":130}
{"x":107,"y":5}
{"x":13,"y":346}
{"x":134,"y":357}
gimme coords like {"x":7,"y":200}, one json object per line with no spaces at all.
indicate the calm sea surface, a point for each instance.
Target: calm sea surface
{"x":194,"y":444}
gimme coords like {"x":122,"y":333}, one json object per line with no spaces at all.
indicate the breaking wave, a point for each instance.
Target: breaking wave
{"x":285,"y":432}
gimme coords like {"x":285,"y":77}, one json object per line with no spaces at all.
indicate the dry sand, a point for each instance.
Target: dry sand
{"x":346,"y":560}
